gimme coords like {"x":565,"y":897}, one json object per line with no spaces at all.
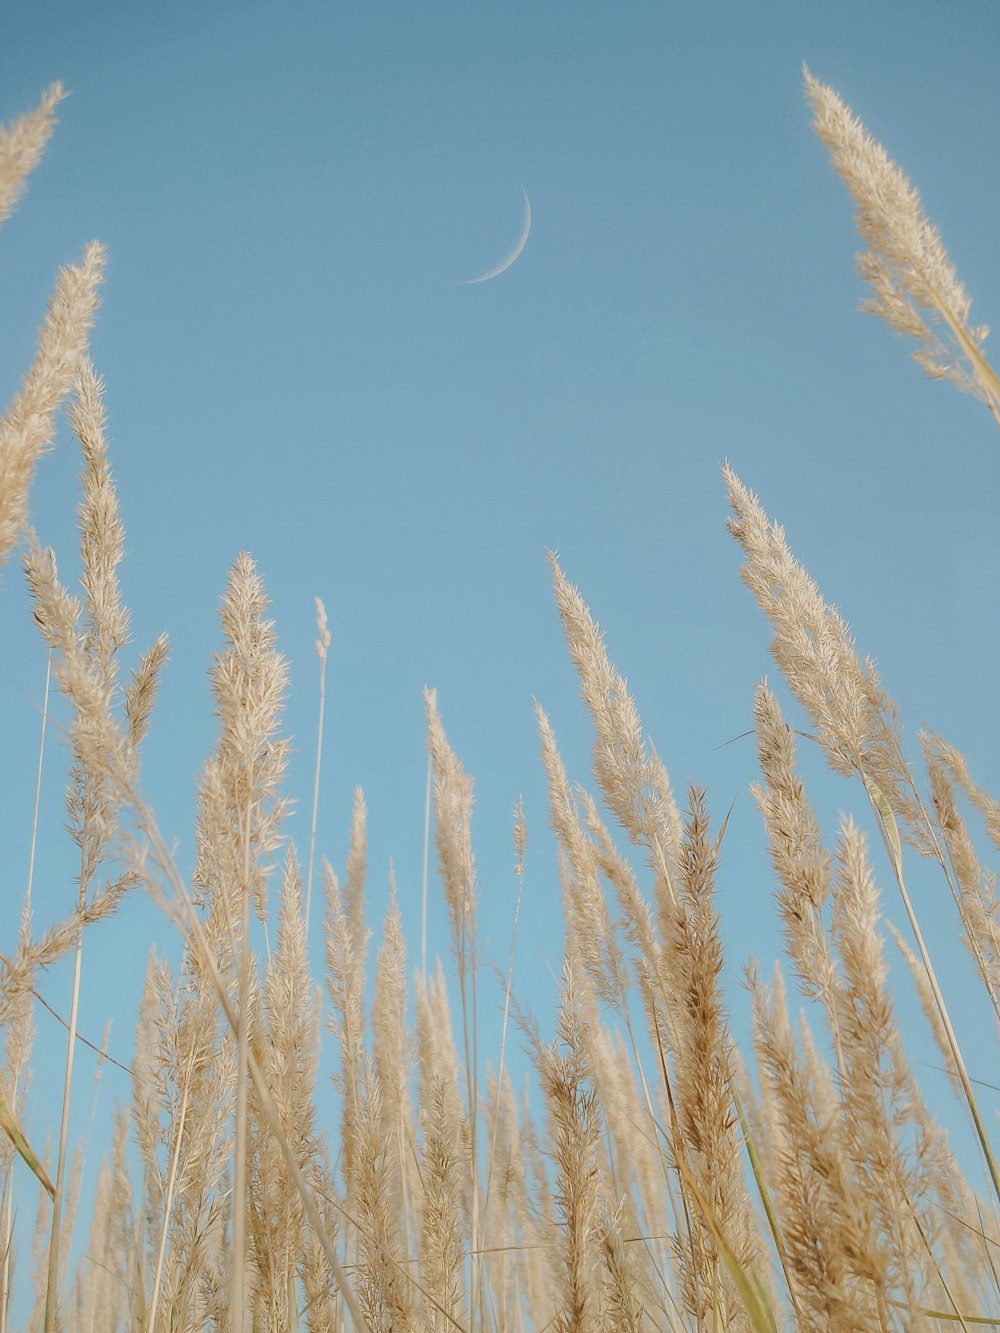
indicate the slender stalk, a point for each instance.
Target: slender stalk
{"x":890,"y":837}
{"x":7,"y":1235}
{"x":52,"y":1277}
{"x":985,"y":375}
{"x":322,"y":645}
{"x":423,"y":889}
{"x":163,"y":859}
{"x":240,"y":1148}
{"x":38,"y":783}
{"x":471,"y":1053}
{"x":519,"y":841}
{"x":7,"y":1223}
{"x":168,"y":1204}
{"x":760,"y":1179}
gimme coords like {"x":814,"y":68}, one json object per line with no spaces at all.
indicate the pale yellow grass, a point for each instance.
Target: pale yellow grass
{"x":670,"y":1184}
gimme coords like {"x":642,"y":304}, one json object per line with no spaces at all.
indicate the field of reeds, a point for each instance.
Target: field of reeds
{"x":661,"y":1178}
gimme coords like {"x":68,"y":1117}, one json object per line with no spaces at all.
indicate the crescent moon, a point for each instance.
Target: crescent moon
{"x":522,"y":241}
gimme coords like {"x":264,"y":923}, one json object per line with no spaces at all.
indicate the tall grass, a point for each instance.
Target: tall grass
{"x":674,"y":1182}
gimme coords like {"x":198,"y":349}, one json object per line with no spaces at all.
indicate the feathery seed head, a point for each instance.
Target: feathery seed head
{"x":915,"y":287}
{"x":854,"y":717}
{"x":21,"y":146}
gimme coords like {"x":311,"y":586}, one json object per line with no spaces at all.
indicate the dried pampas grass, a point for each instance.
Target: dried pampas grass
{"x":670,"y":1183}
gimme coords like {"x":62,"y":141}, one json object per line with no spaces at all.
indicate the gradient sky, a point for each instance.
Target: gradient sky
{"x":292,"y":197}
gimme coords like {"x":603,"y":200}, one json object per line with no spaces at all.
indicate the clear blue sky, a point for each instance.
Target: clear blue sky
{"x":291,"y":197}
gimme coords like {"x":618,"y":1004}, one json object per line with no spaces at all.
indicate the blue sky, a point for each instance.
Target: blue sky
{"x":292,"y":197}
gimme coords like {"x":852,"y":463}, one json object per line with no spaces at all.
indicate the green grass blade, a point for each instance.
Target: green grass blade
{"x":748,"y":1284}
{"x":17,"y":1137}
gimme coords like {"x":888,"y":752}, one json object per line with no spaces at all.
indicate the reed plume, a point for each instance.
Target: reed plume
{"x":27,"y":429}
{"x":914,"y":284}
{"x":616,"y":1191}
{"x":21,"y":147}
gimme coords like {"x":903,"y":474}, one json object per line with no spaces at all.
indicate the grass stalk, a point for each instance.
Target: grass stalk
{"x":760,"y":1179}
{"x":519,"y":871}
{"x":243,"y":1050}
{"x":7,"y":1216}
{"x":426,"y":860}
{"x":180,"y":897}
{"x":322,"y":648}
{"x":168,"y":1203}
{"x":55,"y":1234}
{"x":890,"y":837}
